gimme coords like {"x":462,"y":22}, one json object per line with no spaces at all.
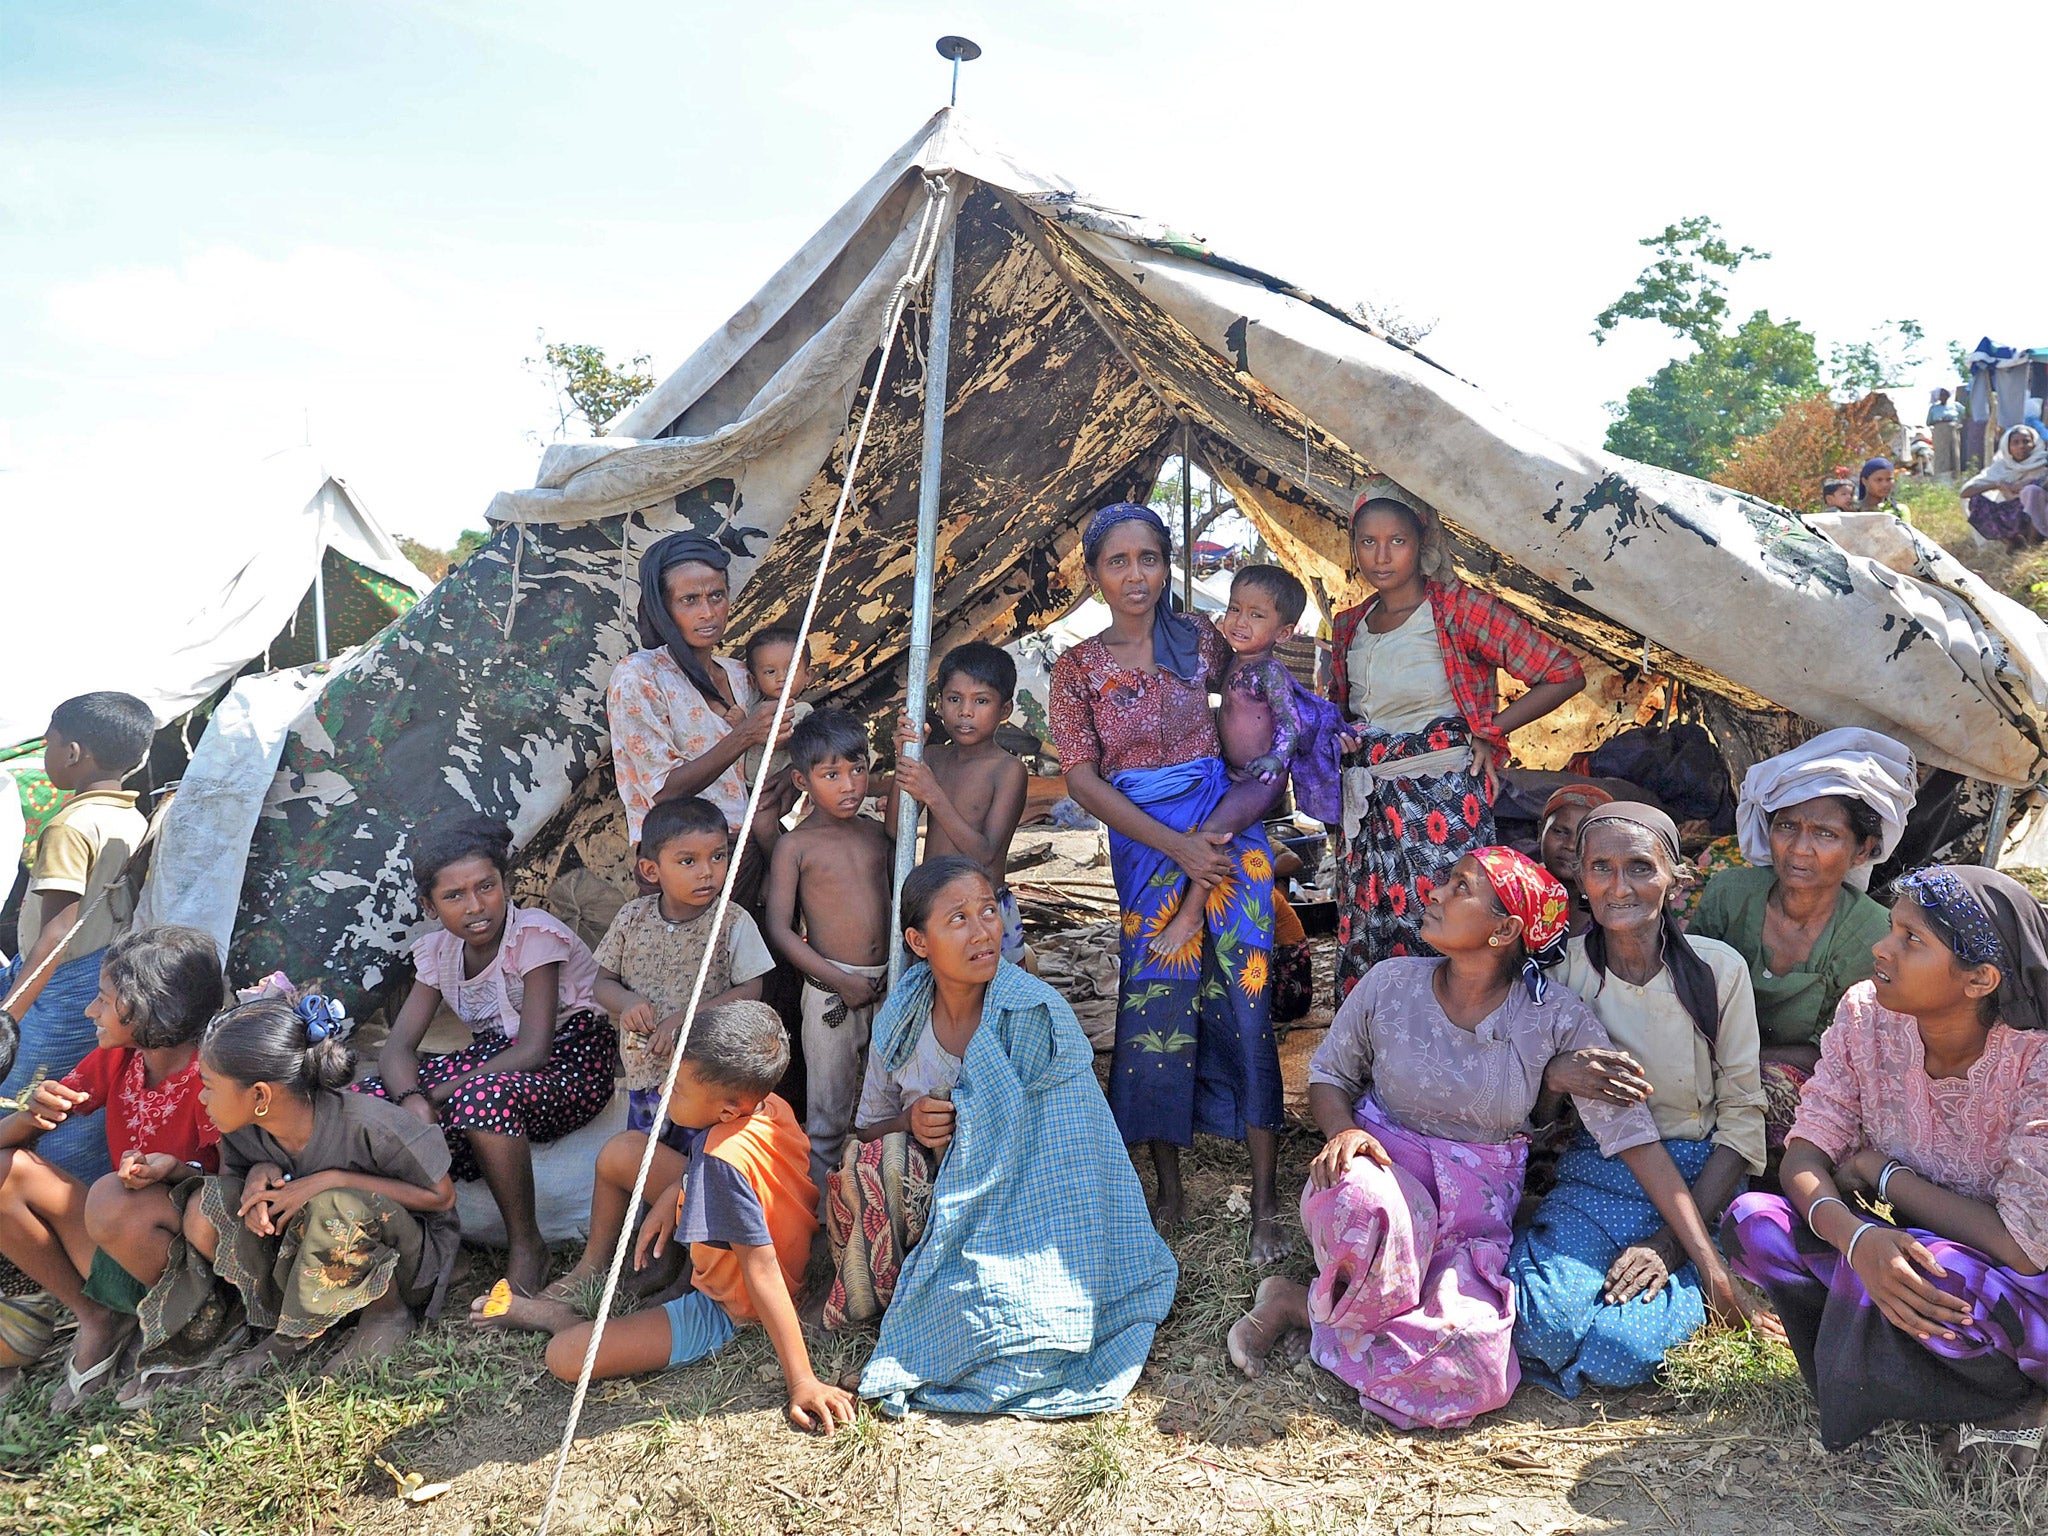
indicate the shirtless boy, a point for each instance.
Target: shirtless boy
{"x":1268,"y":725}
{"x":833,"y":871}
{"x":972,"y":790}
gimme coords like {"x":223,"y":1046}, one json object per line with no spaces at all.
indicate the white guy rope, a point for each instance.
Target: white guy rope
{"x":938,"y":198}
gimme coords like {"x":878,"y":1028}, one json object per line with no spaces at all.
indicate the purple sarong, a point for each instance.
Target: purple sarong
{"x":1862,"y":1370}
{"x":1411,"y":1305}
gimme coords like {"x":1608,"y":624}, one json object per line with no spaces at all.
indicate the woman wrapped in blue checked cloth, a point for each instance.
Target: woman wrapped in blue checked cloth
{"x":1129,"y":710}
{"x":1006,"y":1284}
{"x":1416,"y":665}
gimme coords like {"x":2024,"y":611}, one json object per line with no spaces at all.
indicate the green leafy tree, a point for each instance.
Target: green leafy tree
{"x":588,"y":384}
{"x":1693,"y":409}
{"x":1680,"y":288}
{"x":1883,"y":360}
{"x":1733,"y":384}
{"x":439,"y":562}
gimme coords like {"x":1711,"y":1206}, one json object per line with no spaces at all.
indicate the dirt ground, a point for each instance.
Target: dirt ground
{"x":1726,"y":1451}
{"x":1722,"y":1446}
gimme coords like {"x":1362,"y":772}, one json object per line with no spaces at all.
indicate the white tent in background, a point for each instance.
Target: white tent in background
{"x":166,"y":589}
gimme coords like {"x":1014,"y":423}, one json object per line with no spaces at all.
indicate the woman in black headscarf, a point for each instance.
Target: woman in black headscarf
{"x":1930,"y":1105}
{"x":683,"y":716}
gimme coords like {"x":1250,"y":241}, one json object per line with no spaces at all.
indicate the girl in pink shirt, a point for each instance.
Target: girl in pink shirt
{"x":1907,"y":1258}
{"x":540,"y":1062}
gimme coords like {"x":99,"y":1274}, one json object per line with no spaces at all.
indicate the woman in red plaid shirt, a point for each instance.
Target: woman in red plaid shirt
{"x":1415,"y":664}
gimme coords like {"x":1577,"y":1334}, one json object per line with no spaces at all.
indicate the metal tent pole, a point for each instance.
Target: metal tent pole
{"x":320,"y":581}
{"x":920,"y":660}
{"x":1994,"y":834}
{"x":1187,"y":519}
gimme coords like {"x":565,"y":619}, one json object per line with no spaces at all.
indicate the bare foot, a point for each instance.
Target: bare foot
{"x":526,"y":1266}
{"x":1269,"y":1241}
{"x":380,"y":1330}
{"x":2014,"y":1438}
{"x":1279,"y":1309}
{"x":1169,"y":1216}
{"x":564,"y":1288}
{"x":1181,"y":940}
{"x":251,"y":1363}
{"x":536,"y":1314}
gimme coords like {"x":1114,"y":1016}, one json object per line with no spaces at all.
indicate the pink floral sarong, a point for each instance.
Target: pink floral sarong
{"x":1412,"y":1305}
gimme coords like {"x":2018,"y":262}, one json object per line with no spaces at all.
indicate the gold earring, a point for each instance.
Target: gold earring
{"x":262,"y":1110}
{"x":1493,"y":943}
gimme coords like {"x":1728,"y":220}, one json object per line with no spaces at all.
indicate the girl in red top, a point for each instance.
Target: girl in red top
{"x":1415,"y":664}
{"x":158,"y":987}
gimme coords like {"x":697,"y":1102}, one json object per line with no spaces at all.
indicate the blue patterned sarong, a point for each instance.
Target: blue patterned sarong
{"x":1194,"y":1033}
{"x":1566,"y":1335}
{"x":1039,"y":1281}
{"x":56,"y":1036}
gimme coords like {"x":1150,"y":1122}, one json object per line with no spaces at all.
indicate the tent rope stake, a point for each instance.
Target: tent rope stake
{"x":935,"y":223}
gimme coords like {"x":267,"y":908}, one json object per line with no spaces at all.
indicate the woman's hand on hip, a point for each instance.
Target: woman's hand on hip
{"x":1339,"y":1151}
{"x":1610,"y":1076}
{"x":1482,"y":768}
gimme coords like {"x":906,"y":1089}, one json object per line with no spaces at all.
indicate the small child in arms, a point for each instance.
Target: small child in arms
{"x":647,"y":962}
{"x":1838,"y":495}
{"x":833,"y":870}
{"x":738,"y":1191}
{"x":972,"y":790}
{"x":771,"y":656}
{"x":1270,"y":727}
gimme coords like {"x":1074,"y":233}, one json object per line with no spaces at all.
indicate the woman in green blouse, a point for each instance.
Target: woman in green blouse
{"x":1813,"y":821}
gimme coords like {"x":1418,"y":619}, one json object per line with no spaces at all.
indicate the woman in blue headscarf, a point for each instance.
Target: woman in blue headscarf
{"x":1130,"y":714}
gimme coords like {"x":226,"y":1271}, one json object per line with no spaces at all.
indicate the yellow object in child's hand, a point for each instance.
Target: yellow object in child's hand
{"x":27,"y":1096}
{"x":499,"y":1302}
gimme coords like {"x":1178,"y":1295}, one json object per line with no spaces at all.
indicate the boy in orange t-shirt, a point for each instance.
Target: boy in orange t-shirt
{"x":745,"y":1204}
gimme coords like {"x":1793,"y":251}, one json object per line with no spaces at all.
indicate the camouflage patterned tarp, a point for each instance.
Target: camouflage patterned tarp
{"x":1084,"y":343}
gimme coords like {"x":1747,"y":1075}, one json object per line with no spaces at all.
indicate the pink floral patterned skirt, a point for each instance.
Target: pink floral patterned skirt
{"x":1412,"y":1306}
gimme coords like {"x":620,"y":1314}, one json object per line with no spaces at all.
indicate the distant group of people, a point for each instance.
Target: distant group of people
{"x":1783,"y":1081}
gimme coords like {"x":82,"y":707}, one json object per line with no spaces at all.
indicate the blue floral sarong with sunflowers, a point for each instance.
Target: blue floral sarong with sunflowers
{"x":1194,"y":1033}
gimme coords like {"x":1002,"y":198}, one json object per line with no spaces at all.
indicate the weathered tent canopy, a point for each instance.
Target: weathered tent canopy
{"x":1084,"y":342}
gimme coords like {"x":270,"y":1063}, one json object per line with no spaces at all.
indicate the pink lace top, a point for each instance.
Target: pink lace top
{"x":1983,"y":1135}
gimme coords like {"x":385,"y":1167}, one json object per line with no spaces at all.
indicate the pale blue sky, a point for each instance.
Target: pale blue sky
{"x":221,"y":221}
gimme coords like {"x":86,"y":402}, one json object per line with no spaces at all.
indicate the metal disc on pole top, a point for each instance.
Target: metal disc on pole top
{"x":959,"y":50}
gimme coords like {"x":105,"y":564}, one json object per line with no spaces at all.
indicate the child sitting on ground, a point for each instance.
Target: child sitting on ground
{"x":735,"y":1188}
{"x":1270,"y":727}
{"x":647,"y":962}
{"x":540,"y":1065}
{"x":833,"y":870}
{"x":75,"y":907}
{"x":328,"y":1205}
{"x":158,"y":987}
{"x":972,"y":789}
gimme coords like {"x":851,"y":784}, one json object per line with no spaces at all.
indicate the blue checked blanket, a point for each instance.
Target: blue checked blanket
{"x":1039,"y":1280}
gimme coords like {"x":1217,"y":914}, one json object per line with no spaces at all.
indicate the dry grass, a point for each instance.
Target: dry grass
{"x":1723,"y":1444}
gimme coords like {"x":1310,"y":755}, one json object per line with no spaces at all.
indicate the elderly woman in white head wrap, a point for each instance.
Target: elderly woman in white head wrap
{"x":1813,"y":823}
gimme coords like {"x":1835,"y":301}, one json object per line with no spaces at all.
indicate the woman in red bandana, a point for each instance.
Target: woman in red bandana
{"x":1424,"y":1088}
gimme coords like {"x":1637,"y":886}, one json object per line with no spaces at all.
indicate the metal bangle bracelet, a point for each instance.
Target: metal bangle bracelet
{"x":1824,"y":1200}
{"x":1849,"y":1253}
{"x":1884,"y":1180}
